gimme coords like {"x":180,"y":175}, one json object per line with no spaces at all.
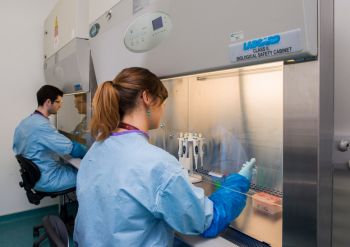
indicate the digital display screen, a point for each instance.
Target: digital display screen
{"x":157,"y":23}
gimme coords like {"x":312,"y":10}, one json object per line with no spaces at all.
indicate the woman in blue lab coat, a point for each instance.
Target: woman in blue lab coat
{"x":132,"y":193}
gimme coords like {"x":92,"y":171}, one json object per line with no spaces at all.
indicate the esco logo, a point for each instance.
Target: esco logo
{"x":252,"y":44}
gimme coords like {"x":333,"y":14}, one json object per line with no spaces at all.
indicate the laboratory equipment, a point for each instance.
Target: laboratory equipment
{"x":247,"y":169}
{"x":267,"y":203}
{"x":341,"y":154}
{"x":68,"y":66}
{"x":268,"y":110}
{"x":292,"y":37}
{"x":191,"y":154}
{"x":233,"y":121}
{"x":74,"y":116}
{"x":67,"y":21}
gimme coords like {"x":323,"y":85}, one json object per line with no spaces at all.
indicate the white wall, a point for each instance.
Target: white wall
{"x":21,"y":74}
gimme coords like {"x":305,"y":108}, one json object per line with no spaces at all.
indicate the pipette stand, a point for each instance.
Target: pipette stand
{"x":187,"y":149}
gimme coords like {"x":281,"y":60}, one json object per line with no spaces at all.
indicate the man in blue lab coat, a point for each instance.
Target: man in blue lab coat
{"x":37,"y":140}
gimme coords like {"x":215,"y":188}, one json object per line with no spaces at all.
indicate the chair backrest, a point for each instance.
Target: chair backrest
{"x":30,"y":173}
{"x":56,"y":231}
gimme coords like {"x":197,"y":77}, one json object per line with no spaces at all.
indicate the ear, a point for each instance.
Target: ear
{"x":48,"y":102}
{"x":146,"y":97}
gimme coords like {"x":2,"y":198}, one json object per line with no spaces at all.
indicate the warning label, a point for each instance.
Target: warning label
{"x":264,"y":52}
{"x":270,"y":46}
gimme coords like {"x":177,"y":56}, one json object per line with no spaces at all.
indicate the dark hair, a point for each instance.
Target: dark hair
{"x":115,"y":98}
{"x":47,"y":92}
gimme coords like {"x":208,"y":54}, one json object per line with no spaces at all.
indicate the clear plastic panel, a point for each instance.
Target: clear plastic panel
{"x":175,"y":118}
{"x":72,"y":118}
{"x":237,"y":115}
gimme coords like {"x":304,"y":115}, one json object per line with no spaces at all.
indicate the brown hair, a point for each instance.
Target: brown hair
{"x":115,"y":98}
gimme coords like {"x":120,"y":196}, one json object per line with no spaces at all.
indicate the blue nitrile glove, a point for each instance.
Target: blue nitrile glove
{"x":78,"y":150}
{"x":228,"y":203}
{"x":247,"y":169}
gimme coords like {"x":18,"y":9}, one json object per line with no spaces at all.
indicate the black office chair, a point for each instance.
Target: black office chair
{"x":55,"y":231}
{"x":30,"y":174}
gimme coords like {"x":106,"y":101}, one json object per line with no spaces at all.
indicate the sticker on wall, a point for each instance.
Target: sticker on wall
{"x":280,"y":44}
{"x":236,"y":36}
{"x":55,"y":34}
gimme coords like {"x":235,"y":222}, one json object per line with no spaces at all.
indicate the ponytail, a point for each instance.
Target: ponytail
{"x":114,"y":99}
{"x":105,"y":117}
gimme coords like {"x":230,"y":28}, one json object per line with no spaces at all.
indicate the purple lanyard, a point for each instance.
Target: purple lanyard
{"x":39,"y":113}
{"x":129,"y":132}
{"x":130,"y":129}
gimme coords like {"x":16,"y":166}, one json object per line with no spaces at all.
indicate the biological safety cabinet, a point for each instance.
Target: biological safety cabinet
{"x":232,"y":34}
{"x":67,"y":61}
{"x":68,"y":65}
{"x":249,"y":78}
{"x":67,"y":21}
{"x":246,"y":79}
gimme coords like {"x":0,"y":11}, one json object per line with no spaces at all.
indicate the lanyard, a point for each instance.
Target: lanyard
{"x":130,"y":129}
{"x":126,"y":126}
{"x":39,"y":113}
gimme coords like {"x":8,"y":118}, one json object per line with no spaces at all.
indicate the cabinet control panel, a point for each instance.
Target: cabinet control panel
{"x":147,"y":31}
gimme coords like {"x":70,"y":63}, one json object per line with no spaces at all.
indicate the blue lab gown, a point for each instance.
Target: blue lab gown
{"x":36,"y":139}
{"x":132,"y":193}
